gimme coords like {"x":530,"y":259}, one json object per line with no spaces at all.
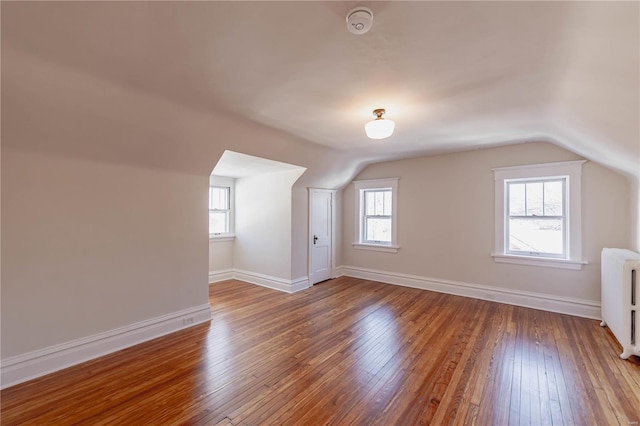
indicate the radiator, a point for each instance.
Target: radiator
{"x":620,"y":298}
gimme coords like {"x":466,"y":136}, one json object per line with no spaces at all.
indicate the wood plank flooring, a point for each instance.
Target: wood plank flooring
{"x":348,"y":351}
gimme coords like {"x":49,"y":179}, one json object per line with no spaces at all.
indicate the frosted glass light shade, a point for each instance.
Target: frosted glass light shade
{"x":379,"y":128}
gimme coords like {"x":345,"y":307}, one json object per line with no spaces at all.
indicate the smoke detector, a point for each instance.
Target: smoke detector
{"x":359,"y":20}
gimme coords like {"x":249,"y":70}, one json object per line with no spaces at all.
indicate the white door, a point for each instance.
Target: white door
{"x":320,"y":234}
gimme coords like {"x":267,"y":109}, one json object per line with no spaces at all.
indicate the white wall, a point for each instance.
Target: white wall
{"x":263,"y":233}
{"x":299,"y":228}
{"x":91,"y":246}
{"x":446,"y":217}
{"x":220,"y":255}
{"x":263,"y":224}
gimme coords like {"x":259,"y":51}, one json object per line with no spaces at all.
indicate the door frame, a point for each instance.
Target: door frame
{"x":333,"y":232}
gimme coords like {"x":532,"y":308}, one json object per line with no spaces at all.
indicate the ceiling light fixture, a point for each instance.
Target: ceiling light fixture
{"x":379,"y":128}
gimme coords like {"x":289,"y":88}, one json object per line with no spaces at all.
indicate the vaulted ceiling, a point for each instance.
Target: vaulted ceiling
{"x":453,"y":75}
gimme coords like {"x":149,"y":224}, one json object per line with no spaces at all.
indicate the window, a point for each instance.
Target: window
{"x":219,"y":209}
{"x":538,"y":220}
{"x":221,"y":206}
{"x":377,"y":216}
{"x":376,"y":213}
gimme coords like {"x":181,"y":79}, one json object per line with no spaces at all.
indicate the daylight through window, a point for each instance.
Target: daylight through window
{"x":536,"y":217}
{"x":377,"y":215}
{"x":219,"y":209}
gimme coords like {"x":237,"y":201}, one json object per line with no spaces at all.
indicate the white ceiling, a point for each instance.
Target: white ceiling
{"x":452,"y":75}
{"x":236,"y":165}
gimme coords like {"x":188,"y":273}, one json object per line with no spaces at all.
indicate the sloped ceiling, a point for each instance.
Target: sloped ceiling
{"x":453,"y":75}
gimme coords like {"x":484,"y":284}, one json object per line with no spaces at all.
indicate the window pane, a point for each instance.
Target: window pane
{"x":377,"y":203}
{"x":387,"y":203}
{"x":534,"y":199}
{"x":379,"y":209}
{"x":516,"y":199}
{"x":378,"y":229}
{"x":369,"y":205}
{"x":553,"y":198}
{"x":218,"y":198}
{"x":536,"y":235}
{"x":218,"y":223}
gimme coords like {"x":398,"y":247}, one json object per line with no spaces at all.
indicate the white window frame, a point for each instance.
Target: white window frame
{"x":376,"y":184}
{"x":571,"y":172}
{"x":225,"y":182}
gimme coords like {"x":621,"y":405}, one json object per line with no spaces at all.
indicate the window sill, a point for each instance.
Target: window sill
{"x":221,"y":238}
{"x":376,"y":247}
{"x":548,"y":262}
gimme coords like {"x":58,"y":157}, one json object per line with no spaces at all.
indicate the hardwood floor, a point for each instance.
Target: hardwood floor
{"x":348,"y":351}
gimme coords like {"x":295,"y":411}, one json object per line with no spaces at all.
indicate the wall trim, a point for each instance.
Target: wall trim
{"x":542,"y":301}
{"x":20,"y":368}
{"x":275,"y":283}
{"x":221,"y":275}
{"x":299,"y":284}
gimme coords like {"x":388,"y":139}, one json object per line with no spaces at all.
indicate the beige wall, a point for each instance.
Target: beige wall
{"x":96,"y":269}
{"x":109,"y":158}
{"x":90,"y":246}
{"x":446,"y":221}
{"x":634,"y":234}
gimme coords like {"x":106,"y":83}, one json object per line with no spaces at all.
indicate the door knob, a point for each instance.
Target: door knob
{"x":315,"y":238}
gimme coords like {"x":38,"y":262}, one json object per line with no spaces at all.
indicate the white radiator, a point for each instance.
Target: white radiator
{"x":620,"y":298}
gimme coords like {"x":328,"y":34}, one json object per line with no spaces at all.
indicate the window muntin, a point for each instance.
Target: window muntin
{"x":535,"y":220}
{"x":377,"y":216}
{"x":540,"y":203}
{"x":219,"y":210}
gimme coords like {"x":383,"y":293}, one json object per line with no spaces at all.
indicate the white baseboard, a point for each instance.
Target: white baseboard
{"x":275,"y":283}
{"x":299,"y":284}
{"x":34,"y":364}
{"x":545,"y":302}
{"x":222,"y":275}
